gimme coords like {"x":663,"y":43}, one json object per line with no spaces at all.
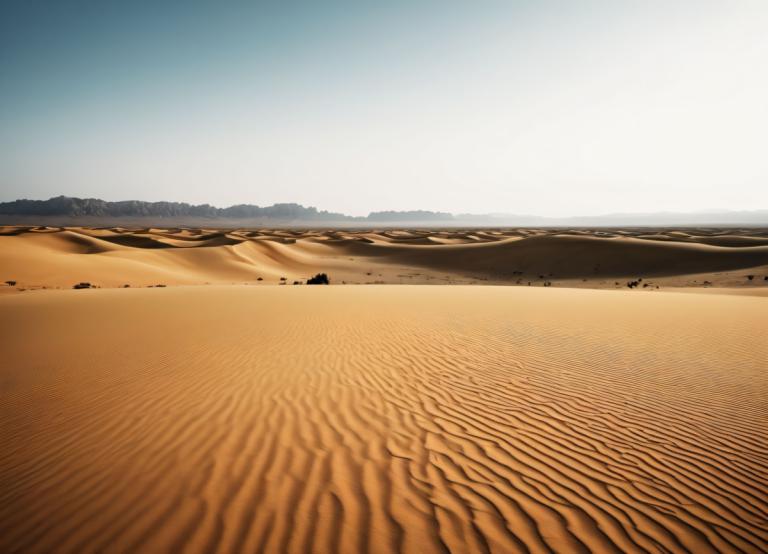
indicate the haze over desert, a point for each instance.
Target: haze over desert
{"x":383,"y":277}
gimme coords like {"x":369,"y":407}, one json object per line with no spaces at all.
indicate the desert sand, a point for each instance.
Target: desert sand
{"x":58,"y":257}
{"x":376,"y":418}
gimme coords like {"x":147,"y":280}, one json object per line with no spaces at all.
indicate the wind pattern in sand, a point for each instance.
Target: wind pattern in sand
{"x":372,"y":419}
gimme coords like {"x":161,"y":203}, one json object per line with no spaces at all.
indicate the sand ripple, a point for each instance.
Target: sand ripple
{"x":383,"y":419}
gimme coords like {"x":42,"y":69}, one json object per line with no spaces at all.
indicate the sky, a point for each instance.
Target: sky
{"x":551,"y":108}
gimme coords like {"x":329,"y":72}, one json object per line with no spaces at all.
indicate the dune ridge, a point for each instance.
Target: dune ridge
{"x":372,"y":419}
{"x":54,"y":257}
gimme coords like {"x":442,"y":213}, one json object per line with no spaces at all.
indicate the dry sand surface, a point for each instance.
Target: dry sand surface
{"x":381,"y":418}
{"x":51,"y":257}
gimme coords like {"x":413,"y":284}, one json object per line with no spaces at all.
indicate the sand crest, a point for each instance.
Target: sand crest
{"x":602,"y":258}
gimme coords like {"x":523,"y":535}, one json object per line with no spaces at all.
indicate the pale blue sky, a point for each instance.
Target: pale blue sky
{"x":550,"y":108}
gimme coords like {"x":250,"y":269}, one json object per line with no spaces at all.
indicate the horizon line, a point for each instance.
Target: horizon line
{"x":709,"y":211}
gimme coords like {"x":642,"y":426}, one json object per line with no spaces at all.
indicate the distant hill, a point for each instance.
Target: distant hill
{"x":64,"y":210}
{"x":412,"y":215}
{"x":93,"y":207}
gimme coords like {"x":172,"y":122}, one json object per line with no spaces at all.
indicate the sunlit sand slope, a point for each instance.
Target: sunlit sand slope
{"x":382,"y":419}
{"x":58,"y":257}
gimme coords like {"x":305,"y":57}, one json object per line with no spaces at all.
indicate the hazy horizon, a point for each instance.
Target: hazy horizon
{"x":544,"y":109}
{"x":82,"y":211}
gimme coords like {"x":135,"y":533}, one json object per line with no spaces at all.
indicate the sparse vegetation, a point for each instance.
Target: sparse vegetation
{"x":11,"y":283}
{"x":83,"y":285}
{"x":319,"y":279}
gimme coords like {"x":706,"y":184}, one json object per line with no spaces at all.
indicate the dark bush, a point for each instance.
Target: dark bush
{"x":319,"y":279}
{"x":82,"y":286}
{"x":11,"y":283}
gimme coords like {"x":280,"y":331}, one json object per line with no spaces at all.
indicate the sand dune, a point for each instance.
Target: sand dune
{"x":354,"y":419}
{"x":49,"y":257}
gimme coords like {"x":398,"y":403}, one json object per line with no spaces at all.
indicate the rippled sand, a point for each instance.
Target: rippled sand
{"x":382,"y":419}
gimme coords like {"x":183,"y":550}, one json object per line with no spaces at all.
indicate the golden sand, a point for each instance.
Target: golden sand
{"x":61,"y":257}
{"x":382,"y":419}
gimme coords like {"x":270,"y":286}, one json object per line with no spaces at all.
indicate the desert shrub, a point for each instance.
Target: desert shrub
{"x":11,"y":283}
{"x":319,"y":279}
{"x":82,"y":285}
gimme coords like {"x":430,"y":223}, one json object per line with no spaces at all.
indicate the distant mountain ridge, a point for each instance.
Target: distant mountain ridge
{"x":94,"y":207}
{"x":79,"y":207}
{"x":65,"y":207}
